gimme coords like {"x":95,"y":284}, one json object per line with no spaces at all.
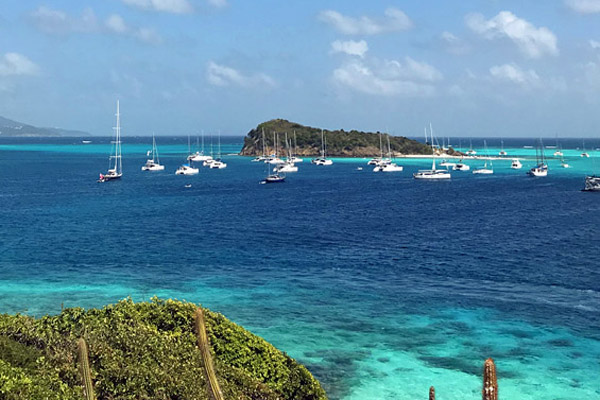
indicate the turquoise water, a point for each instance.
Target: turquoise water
{"x":382,"y":285}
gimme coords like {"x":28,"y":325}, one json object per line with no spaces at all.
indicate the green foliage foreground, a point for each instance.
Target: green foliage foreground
{"x":142,"y":351}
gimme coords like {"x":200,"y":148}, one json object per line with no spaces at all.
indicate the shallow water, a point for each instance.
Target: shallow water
{"x":381,"y":284}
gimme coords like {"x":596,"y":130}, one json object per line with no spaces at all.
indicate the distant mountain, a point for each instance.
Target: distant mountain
{"x":8,"y":127}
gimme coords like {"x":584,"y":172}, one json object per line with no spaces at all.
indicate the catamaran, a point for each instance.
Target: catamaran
{"x":154,"y":163}
{"x":115,"y":167}
{"x":323,"y":160}
{"x":485,"y":170}
{"x":541,"y":169}
{"x":433,"y":173}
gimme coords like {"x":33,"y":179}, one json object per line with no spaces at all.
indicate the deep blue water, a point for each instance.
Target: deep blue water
{"x":381,"y":284}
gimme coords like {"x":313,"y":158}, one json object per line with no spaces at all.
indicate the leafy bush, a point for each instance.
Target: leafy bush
{"x":142,"y":351}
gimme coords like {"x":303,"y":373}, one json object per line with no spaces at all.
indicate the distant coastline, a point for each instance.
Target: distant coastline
{"x":10,"y":128}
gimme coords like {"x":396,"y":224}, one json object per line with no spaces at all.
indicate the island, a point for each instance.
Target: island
{"x":11,"y":128}
{"x":161,"y":349}
{"x":306,"y":141}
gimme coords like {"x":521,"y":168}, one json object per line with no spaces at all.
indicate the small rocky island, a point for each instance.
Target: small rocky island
{"x":340,"y":143}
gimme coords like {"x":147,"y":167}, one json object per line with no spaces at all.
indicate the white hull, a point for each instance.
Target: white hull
{"x":502,"y":153}
{"x":565,"y":165}
{"x":432,"y":174}
{"x":322,"y":161}
{"x":558,"y":154}
{"x":153,"y":167}
{"x":471,"y":152}
{"x":592,"y":184}
{"x":296,"y":160}
{"x":198,"y":158}
{"x":274,"y":161}
{"x":484,"y":171}
{"x":516,"y":164}
{"x":392,"y":167}
{"x":538,"y":171}
{"x":461,"y":167}
{"x":187,"y":170}
{"x":586,"y":155}
{"x":218,"y":165}
{"x":447,"y":164}
{"x":286,"y":168}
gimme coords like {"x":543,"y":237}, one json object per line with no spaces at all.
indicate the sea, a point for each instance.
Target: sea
{"x":382,"y":285}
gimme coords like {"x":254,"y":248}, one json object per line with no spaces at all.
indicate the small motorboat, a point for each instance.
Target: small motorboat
{"x":516,"y":164}
{"x":460,"y":166}
{"x":186,"y":169}
{"x":592,"y":184}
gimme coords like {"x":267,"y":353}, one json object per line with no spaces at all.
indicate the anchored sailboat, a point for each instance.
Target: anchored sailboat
{"x":433,"y":173}
{"x":323,"y":160}
{"x":115,"y":167}
{"x":541,"y":169}
{"x":154,"y":163}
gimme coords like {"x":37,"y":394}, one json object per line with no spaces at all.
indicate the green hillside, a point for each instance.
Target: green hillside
{"x":339,"y":142}
{"x":142,"y":351}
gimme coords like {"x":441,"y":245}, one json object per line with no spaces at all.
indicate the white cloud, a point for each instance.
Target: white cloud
{"x":533,"y":42}
{"x":595,"y":44}
{"x":56,"y":22}
{"x":584,"y":6}
{"x":453,"y":44}
{"x":350,"y":47}
{"x":514,"y":74}
{"x":394,"y":20}
{"x":169,"y":6}
{"x":115,"y":23}
{"x":390,"y":78}
{"x":17,"y":64}
{"x":222,"y":75}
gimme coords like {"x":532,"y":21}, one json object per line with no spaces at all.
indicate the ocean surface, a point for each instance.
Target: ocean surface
{"x":382,"y":285}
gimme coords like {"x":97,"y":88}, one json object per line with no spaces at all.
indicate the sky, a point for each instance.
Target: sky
{"x":507,"y":68}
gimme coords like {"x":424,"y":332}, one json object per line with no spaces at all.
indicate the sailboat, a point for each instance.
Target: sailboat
{"x":502,"y":152}
{"x":115,"y":167}
{"x":262,"y":157}
{"x":218,"y":163}
{"x":199,"y":154}
{"x":294,"y":157}
{"x":541,"y":169}
{"x":387,"y":165}
{"x":154,"y":163}
{"x":323,"y":160}
{"x":433,"y":173}
{"x":288,"y":165}
{"x":471,"y":152}
{"x":485,"y":169}
{"x":187,"y":169}
{"x":584,"y":154}
{"x":563,"y":163}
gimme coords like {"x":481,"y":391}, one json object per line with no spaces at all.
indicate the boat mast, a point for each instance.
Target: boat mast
{"x":202,"y":141}
{"x":432,"y":149}
{"x":263,"y":142}
{"x":117,"y":156}
{"x":322,"y":144}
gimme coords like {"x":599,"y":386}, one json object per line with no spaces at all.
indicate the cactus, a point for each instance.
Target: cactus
{"x":84,"y":368}
{"x":209,"y":368}
{"x":432,"y":393}
{"x":490,"y":382}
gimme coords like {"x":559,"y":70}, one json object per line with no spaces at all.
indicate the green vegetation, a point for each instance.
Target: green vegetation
{"x":142,"y":351}
{"x":339,"y":143}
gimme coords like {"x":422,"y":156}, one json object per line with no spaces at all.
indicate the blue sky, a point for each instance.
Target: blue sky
{"x":472,"y":68}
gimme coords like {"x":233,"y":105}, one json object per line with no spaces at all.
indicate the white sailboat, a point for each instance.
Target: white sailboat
{"x":262,"y":157}
{"x":294,"y":157}
{"x":471,"y":152}
{"x":433,"y":173}
{"x":154,"y":163}
{"x":388,"y":165}
{"x":187,"y":169}
{"x":541,"y":169}
{"x":485,"y":170}
{"x":563,"y":163}
{"x":274,"y":158}
{"x":323,"y":160}
{"x":502,"y":152}
{"x":199,"y":155}
{"x":584,"y":153}
{"x":288,"y":165}
{"x":218,"y":163}
{"x":115,"y":167}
